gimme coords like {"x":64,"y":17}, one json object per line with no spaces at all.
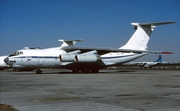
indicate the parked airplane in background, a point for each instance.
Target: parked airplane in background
{"x":86,"y":59}
{"x":147,"y":64}
{"x":3,"y":65}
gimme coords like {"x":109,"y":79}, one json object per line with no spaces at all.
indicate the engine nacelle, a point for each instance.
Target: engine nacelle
{"x":87,"y":58}
{"x":67,"y":57}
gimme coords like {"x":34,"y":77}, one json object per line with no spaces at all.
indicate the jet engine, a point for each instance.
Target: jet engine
{"x":67,"y":57}
{"x":87,"y":58}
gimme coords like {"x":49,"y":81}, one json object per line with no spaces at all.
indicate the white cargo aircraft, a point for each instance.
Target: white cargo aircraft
{"x":85,"y":59}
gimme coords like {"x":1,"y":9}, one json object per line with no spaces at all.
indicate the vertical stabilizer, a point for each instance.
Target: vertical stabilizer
{"x":159,"y":59}
{"x":141,"y":36}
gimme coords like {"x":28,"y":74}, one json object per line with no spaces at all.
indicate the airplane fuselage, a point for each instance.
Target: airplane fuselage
{"x":50,"y":58}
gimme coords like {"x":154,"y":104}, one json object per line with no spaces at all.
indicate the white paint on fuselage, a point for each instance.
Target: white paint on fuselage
{"x":41,"y":58}
{"x":49,"y":58}
{"x":119,"y":57}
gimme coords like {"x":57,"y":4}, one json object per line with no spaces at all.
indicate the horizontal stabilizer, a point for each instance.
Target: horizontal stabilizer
{"x":152,"y":24}
{"x":160,"y":52}
{"x":69,"y":42}
{"x":166,"y":53}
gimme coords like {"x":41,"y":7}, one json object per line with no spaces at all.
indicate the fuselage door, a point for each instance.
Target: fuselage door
{"x":40,"y":60}
{"x":27,"y":61}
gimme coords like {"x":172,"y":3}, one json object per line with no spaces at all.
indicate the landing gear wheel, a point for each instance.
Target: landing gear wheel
{"x":85,"y":71}
{"x":94,"y":71}
{"x":38,"y":71}
{"x":75,"y":71}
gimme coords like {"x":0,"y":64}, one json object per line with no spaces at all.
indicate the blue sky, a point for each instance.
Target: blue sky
{"x":101,"y":23}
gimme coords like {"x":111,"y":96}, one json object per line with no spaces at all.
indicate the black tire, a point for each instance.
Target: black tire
{"x":75,"y":71}
{"x":38,"y":71}
{"x":95,"y":71}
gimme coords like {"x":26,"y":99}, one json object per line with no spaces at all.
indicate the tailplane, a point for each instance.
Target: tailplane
{"x":141,"y":36}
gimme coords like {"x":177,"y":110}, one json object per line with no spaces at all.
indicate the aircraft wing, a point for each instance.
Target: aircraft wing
{"x":104,"y":50}
{"x":100,"y":50}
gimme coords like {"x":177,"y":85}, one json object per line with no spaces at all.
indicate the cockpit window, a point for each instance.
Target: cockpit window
{"x":16,"y":53}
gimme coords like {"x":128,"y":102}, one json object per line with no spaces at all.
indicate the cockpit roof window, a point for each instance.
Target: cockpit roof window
{"x":16,"y":53}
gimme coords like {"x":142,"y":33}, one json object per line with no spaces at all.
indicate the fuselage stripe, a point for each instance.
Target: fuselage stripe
{"x":46,"y":57}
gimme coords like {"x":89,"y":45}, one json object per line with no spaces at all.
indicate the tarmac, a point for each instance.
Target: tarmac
{"x":109,"y":90}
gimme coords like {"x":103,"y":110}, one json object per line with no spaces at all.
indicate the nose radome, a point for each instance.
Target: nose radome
{"x":6,"y":60}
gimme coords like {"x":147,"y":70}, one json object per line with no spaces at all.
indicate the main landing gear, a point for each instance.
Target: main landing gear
{"x":38,"y":71}
{"x":86,"y":71}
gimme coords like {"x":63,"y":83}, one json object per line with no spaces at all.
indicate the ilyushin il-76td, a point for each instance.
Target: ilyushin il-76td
{"x":86,"y":59}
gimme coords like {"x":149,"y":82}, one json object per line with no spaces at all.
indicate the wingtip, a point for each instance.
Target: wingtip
{"x":166,"y":53}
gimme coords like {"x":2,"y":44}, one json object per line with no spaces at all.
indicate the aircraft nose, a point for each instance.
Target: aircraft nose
{"x":6,"y":60}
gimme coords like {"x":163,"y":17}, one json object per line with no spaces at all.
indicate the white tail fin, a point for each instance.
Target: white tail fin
{"x":140,"y":38}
